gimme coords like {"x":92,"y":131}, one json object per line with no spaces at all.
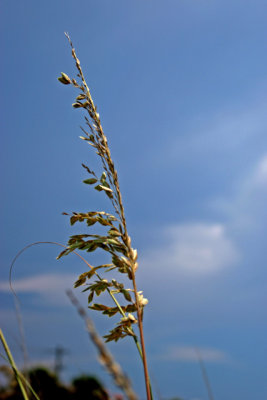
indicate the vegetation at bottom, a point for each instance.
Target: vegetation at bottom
{"x":49,"y":387}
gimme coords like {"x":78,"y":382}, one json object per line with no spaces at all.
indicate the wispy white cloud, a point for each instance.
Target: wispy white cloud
{"x":50,"y":287}
{"x":42,"y":284}
{"x":193,"y":354}
{"x":260,"y":175}
{"x":245,"y":209}
{"x":198,"y":248}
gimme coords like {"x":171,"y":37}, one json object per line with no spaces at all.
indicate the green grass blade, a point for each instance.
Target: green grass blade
{"x":13,"y":365}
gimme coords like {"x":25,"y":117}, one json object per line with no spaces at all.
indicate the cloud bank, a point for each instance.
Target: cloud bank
{"x":193,"y":354}
{"x":50,"y":287}
{"x":198,"y":248}
{"x":42,"y":284}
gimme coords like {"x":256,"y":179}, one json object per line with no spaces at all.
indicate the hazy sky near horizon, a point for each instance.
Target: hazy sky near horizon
{"x":181,"y":91}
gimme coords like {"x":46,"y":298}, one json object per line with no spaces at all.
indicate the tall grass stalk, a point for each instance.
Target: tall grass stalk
{"x":13,"y":365}
{"x":117,"y":241}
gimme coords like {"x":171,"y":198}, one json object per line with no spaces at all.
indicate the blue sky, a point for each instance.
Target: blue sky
{"x":181,"y":91}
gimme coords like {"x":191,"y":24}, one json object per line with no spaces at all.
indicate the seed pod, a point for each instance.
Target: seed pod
{"x":64,"y":79}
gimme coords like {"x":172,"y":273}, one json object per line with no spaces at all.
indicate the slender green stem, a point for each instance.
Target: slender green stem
{"x":13,"y":365}
{"x":137,"y":343}
{"x":29,"y":386}
{"x":24,"y":380}
{"x":140,"y":324}
{"x":139,"y":347}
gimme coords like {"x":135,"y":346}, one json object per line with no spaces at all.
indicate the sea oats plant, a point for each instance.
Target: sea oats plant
{"x":116,"y":241}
